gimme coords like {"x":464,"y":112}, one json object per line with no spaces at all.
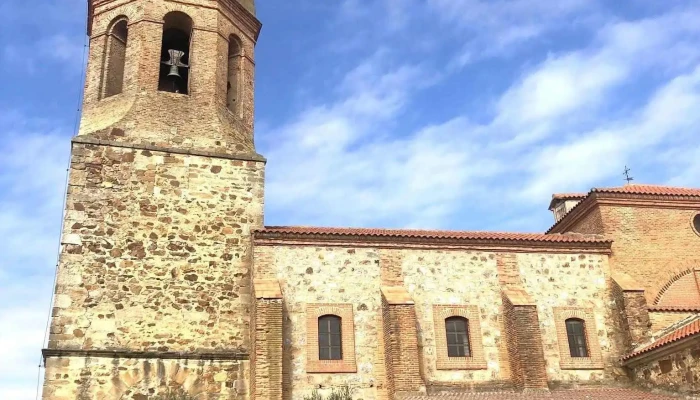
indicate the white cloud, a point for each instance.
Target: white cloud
{"x":497,"y":27}
{"x":552,"y":131}
{"x":669,"y":117}
{"x":32,"y":173}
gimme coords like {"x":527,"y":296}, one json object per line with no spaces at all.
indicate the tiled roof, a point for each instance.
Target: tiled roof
{"x":685,"y":331}
{"x":574,"y":394}
{"x":675,"y":308}
{"x":653,"y":190}
{"x":429,"y":234}
{"x":650,"y":189}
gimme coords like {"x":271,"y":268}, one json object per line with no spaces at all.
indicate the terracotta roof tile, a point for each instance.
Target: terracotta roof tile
{"x":430,"y":234}
{"x":653,"y":190}
{"x":685,"y":331}
{"x":574,"y":394}
{"x":675,"y":308}
{"x":650,"y":189}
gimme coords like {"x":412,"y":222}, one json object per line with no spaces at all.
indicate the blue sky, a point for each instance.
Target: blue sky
{"x":455,"y":114}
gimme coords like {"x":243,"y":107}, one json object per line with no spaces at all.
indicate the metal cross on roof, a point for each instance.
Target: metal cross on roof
{"x":628,"y":178}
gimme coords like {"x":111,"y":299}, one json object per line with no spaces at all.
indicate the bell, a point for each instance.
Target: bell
{"x":175,"y":63}
{"x":174,"y":72}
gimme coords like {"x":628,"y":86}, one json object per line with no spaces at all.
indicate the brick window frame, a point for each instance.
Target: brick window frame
{"x":471,"y":313}
{"x":347,"y":324}
{"x":595,"y":357}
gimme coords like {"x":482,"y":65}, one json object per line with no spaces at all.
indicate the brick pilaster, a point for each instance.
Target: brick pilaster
{"x":632,"y":306}
{"x":400,"y":341}
{"x":524,"y":339}
{"x":266,"y":357}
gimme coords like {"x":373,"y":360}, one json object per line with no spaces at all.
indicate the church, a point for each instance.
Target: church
{"x":171,"y":286}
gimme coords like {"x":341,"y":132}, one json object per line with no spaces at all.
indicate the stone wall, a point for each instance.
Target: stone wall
{"x":315,"y":273}
{"x":72,"y":378}
{"x":677,"y":372}
{"x":573,"y":282}
{"x":155,"y":252}
{"x":451,"y":277}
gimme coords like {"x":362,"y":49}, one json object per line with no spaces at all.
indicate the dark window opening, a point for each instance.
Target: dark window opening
{"x":576,"y":333}
{"x":457,"y":330}
{"x":116,"y":57}
{"x":234,"y":73}
{"x":330,"y":338}
{"x":696,"y":223}
{"x":175,"y":53}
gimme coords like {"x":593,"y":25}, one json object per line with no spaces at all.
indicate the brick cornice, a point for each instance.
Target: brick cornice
{"x":625,"y":200}
{"x":249,"y":21}
{"x":204,"y":355}
{"x":172,"y":150}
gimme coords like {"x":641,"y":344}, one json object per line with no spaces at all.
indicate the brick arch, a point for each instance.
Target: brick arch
{"x":170,"y":7}
{"x":104,"y":20}
{"x":670,"y":272}
{"x":680,"y":290}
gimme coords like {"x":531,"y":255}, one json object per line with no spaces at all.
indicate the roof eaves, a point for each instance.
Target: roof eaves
{"x":324,"y":234}
{"x":687,"y":329}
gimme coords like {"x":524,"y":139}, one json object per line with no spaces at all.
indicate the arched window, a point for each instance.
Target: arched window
{"x":330,"y":338}
{"x":576,"y":332}
{"x":233,"y":75}
{"x":457,"y":330}
{"x":115,"y":52}
{"x":175,"y":53}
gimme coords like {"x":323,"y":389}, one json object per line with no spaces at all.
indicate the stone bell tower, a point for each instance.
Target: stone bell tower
{"x":153,"y":288}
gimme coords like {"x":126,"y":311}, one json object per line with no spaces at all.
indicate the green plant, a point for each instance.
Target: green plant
{"x":343,"y":393}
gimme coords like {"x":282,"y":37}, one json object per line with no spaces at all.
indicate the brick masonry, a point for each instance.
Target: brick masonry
{"x":634,"y":315}
{"x":266,"y":362}
{"x":594,"y":360}
{"x":652,"y":240}
{"x":347,"y":323}
{"x":401,"y":347}
{"x":524,"y":340}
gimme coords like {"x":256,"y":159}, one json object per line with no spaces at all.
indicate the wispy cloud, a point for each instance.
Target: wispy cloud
{"x":564,"y":124}
{"x":497,"y":28}
{"x":32,"y":176}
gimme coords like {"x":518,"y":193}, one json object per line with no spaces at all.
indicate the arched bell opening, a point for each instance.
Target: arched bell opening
{"x":117,"y":37}
{"x":233,"y":75}
{"x":175,"y":53}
